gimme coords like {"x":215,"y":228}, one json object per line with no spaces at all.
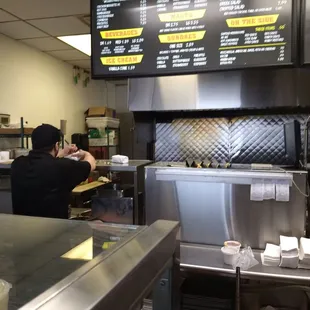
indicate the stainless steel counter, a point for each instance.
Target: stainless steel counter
{"x":234,"y":168}
{"x":214,"y":205}
{"x":5,"y":166}
{"x":132,"y":166}
{"x":136,"y":167}
{"x":209,"y":259}
{"x":66,"y":264}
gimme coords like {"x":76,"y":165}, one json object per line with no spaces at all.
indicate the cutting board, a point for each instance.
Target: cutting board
{"x":87,"y":187}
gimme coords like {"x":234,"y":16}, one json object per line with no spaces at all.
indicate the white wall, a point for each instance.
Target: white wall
{"x":40,"y":88}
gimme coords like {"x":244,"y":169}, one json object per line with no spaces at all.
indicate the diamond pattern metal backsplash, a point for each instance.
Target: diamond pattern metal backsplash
{"x":195,"y":138}
{"x":238,"y":140}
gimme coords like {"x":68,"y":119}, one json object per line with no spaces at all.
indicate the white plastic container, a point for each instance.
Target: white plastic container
{"x":5,"y":155}
{"x":102,"y":122}
{"x":230,"y":255}
{"x":4,"y":294}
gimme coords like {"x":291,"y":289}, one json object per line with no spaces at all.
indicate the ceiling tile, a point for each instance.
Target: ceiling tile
{"x":46,"y":44}
{"x":84,"y":64}
{"x":20,"y":30}
{"x":6,"y":17}
{"x":61,"y":26}
{"x":69,"y":55}
{"x":30,"y":9}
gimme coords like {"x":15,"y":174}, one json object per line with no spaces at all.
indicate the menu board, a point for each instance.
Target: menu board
{"x":162,"y":37}
{"x":306,"y":30}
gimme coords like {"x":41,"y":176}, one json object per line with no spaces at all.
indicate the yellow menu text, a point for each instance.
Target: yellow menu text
{"x":181,"y":37}
{"x":181,"y":16}
{"x":121,"y":33}
{"x":252,"y":21}
{"x":121,"y":60}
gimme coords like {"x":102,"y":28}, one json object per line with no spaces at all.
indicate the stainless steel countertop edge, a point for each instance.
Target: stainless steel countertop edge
{"x":74,"y":276}
{"x":181,"y":166}
{"x":102,"y":280}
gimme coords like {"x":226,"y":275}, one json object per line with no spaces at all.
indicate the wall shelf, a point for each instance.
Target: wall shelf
{"x":22,"y":133}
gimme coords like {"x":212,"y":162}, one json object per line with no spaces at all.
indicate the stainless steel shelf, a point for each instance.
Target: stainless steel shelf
{"x":208,"y":259}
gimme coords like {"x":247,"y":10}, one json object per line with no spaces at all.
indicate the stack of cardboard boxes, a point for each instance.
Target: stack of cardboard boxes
{"x":103,"y":132}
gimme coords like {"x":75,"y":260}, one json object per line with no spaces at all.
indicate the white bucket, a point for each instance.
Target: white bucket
{"x":4,"y":294}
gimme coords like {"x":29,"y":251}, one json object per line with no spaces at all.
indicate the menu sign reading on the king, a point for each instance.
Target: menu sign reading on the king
{"x":149,"y":37}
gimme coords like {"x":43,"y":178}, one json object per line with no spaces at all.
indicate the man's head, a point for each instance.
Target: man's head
{"x":46,"y":138}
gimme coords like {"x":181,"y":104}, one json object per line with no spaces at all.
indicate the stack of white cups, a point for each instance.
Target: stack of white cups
{"x":289,"y":252}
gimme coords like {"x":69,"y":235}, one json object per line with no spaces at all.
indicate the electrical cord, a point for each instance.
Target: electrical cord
{"x":300,"y":191}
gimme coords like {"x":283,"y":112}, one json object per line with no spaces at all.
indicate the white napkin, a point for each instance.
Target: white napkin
{"x":120,"y":159}
{"x":303,"y":266}
{"x":282,"y":191}
{"x":75,"y":156}
{"x":257,"y":190}
{"x":271,"y":255}
{"x":288,"y":245}
{"x":289,"y":252}
{"x":269,"y":190}
{"x":304,"y":254}
{"x":263,"y":190}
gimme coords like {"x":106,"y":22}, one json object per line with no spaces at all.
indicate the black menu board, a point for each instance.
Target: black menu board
{"x":149,"y":37}
{"x":306,"y":30}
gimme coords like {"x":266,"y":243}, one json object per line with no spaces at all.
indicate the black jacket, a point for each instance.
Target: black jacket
{"x":42,"y":184}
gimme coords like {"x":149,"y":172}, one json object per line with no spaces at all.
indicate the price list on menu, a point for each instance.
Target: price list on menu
{"x":150,"y":38}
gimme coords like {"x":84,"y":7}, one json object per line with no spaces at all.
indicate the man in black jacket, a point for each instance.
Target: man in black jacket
{"x":42,"y":181}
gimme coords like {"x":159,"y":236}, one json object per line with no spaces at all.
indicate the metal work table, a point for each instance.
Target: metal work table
{"x":132,"y":166}
{"x":62,"y":264}
{"x":5,"y":166}
{"x":209,"y":259}
{"x":137,"y":168}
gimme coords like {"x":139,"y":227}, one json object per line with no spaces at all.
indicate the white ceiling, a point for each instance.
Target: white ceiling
{"x":37,"y":23}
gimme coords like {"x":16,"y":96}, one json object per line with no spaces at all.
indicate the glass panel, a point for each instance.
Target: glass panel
{"x":36,"y":253}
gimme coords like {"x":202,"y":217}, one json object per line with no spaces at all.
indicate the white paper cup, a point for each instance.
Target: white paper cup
{"x":4,"y":294}
{"x":230,"y":255}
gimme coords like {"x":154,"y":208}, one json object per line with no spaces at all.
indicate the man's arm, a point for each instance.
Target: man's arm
{"x":86,"y":156}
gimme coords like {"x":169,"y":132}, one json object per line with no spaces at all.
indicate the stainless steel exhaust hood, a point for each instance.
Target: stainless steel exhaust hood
{"x":259,"y":88}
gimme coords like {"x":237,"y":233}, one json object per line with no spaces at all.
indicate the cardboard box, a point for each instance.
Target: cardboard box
{"x":100,"y":112}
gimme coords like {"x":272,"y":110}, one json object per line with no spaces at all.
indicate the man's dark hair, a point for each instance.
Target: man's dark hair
{"x":45,"y":137}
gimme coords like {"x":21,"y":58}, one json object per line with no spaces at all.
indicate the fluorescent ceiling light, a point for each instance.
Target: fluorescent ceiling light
{"x":81,"y":42}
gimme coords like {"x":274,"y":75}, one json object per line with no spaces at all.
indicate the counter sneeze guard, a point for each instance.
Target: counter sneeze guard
{"x":60,"y":264}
